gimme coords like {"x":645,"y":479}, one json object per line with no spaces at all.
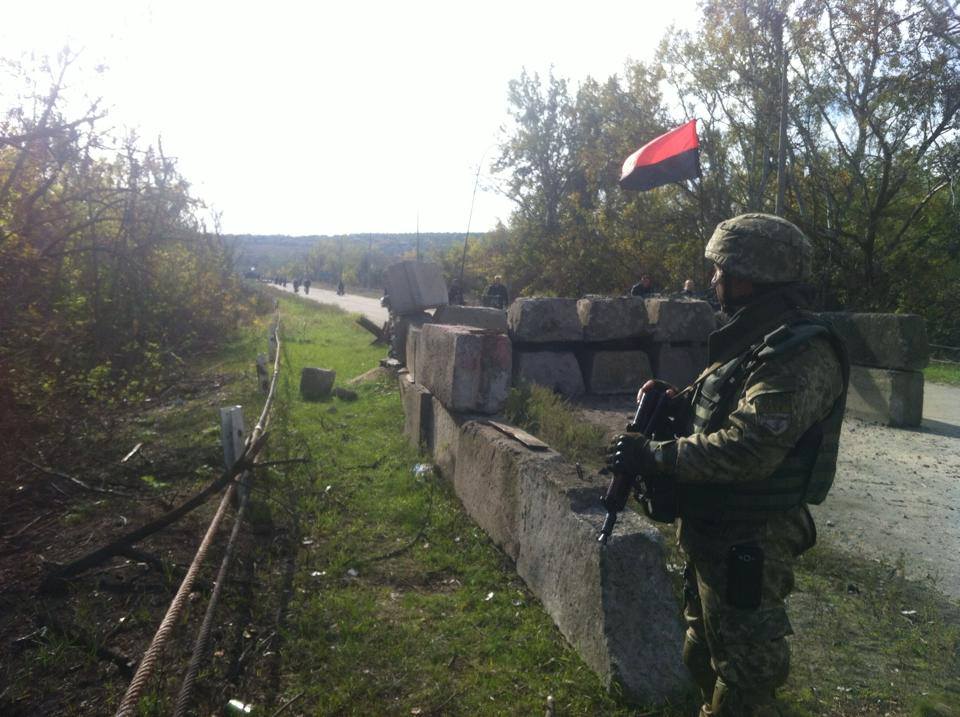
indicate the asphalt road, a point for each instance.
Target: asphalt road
{"x":896,"y":497}
{"x":349,"y":302}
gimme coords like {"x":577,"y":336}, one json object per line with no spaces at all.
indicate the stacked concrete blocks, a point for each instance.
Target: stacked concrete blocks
{"x":618,"y":342}
{"x":467,"y":369}
{"x":887,"y":354}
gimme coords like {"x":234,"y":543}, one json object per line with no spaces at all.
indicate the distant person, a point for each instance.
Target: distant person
{"x":496,"y":294}
{"x":455,"y":294}
{"x":689,"y":289}
{"x":340,"y":288}
{"x":306,"y":286}
{"x":296,"y":286}
{"x":644,"y":287}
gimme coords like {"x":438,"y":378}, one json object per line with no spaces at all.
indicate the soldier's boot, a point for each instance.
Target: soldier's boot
{"x":730,"y":701}
{"x":696,"y":656}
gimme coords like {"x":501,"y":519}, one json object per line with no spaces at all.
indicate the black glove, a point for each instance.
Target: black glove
{"x":630,"y":454}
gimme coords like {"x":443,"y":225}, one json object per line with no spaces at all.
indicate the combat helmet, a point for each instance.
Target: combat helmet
{"x":761,"y":247}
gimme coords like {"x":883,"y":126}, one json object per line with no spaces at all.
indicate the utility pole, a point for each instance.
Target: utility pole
{"x":779,"y":19}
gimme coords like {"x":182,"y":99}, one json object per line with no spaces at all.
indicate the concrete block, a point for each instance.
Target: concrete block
{"x":887,"y":396}
{"x":401,"y":330}
{"x":466,"y":369}
{"x":897,"y":341}
{"x":479,"y":317}
{"x":417,"y":411}
{"x":414,"y":286}
{"x":606,"y":318}
{"x":544,"y":320}
{"x":611,"y":372}
{"x":410,"y":350}
{"x":443,"y":437}
{"x":557,"y":370}
{"x":316,"y":383}
{"x":676,"y":320}
{"x":615,"y":604}
{"x":679,"y":364}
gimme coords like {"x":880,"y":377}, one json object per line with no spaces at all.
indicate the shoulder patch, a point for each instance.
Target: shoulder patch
{"x":774,"y":411}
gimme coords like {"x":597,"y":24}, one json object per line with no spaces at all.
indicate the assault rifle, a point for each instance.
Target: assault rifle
{"x":657,"y":497}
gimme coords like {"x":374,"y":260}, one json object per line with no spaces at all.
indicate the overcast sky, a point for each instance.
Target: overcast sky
{"x":339,"y":117}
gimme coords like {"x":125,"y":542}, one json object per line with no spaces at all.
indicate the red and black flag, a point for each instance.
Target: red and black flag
{"x":671,"y":157}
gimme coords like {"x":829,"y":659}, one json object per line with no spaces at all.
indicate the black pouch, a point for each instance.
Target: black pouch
{"x":745,"y":576}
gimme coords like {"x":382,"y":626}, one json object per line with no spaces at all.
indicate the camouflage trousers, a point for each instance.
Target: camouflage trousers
{"x":739,"y":656}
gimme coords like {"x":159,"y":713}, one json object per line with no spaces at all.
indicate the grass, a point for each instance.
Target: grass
{"x":544,"y":413}
{"x":400,"y":605}
{"x":942,"y":372}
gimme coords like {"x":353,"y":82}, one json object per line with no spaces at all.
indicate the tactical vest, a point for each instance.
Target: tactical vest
{"x":807,"y":472}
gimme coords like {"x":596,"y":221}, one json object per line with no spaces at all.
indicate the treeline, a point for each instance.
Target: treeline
{"x":108,"y":280}
{"x":359,"y":259}
{"x":871,"y":156}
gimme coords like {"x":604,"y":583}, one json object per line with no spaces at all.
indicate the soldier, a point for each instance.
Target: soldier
{"x":760,"y":443}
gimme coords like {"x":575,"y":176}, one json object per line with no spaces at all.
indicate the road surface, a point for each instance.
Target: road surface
{"x":349,"y":302}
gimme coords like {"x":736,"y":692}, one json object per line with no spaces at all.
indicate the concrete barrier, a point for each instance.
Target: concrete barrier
{"x":612,"y":372}
{"x":606,"y":318}
{"x":894,"y":341}
{"x":410,"y":350}
{"x":467,"y":369}
{"x":887,"y":396}
{"x":681,"y":320}
{"x":544,"y":320}
{"x":414,"y":286}
{"x":479,"y":317}
{"x":615,"y":605}
{"x":557,"y":370}
{"x":417,"y":411}
{"x":679,"y":364}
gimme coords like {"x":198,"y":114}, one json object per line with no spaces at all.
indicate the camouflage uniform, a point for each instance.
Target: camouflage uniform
{"x":733,"y":491}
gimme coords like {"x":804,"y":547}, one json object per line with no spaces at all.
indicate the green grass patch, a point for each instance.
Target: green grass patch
{"x":948,"y":373}
{"x":400,"y":604}
{"x":542,"y":412}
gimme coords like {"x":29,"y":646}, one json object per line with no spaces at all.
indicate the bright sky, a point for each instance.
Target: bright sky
{"x":337,"y":117}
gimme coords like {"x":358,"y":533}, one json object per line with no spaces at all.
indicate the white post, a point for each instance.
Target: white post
{"x":232,"y":436}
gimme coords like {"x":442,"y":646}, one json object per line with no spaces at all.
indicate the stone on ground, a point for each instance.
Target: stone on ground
{"x":316,"y":383}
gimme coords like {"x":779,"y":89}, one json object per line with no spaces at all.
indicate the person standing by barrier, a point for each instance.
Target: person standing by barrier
{"x":496,"y":294}
{"x":759,"y":437}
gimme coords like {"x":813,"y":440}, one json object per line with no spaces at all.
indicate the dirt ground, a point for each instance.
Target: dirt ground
{"x":897,"y":492}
